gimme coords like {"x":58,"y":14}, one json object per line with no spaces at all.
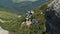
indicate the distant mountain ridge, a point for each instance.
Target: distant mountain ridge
{"x":19,"y":7}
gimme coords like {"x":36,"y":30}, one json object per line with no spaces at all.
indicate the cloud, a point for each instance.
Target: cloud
{"x":23,"y":0}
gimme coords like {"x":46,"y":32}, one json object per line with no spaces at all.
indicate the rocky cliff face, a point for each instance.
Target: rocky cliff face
{"x":53,"y":17}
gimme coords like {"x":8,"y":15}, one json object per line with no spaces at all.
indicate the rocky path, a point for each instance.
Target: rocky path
{"x":2,"y":31}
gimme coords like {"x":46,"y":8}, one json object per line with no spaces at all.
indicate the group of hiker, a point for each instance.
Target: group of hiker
{"x":29,"y":15}
{"x":28,"y":19}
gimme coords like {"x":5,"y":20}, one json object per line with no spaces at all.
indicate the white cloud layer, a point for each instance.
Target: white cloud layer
{"x":23,"y":0}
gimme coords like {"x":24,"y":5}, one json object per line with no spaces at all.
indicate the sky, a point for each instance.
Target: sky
{"x":17,"y":1}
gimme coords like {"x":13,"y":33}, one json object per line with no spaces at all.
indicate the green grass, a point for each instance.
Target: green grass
{"x":10,"y":17}
{"x":13,"y":24}
{"x":7,"y":15}
{"x":41,"y":19}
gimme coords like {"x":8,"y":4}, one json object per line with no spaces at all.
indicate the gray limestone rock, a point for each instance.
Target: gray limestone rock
{"x":53,"y":18}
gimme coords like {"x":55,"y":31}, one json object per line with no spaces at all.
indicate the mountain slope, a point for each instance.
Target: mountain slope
{"x":15,"y":24}
{"x":4,"y":15}
{"x":20,"y":7}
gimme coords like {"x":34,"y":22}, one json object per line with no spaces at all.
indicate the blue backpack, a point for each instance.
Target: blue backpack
{"x":34,"y":21}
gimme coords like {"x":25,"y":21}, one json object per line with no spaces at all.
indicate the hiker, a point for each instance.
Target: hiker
{"x":27,"y":19}
{"x":34,"y":21}
{"x":27,"y":14}
{"x":31,"y":12}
